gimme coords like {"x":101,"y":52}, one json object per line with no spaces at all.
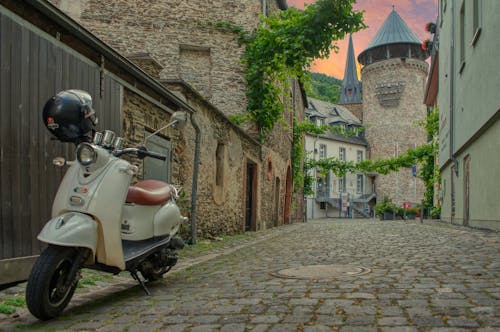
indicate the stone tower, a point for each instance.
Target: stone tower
{"x":393,"y":74}
{"x":350,"y":92}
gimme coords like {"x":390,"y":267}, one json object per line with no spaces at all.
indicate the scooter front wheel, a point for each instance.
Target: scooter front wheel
{"x":49,"y":290}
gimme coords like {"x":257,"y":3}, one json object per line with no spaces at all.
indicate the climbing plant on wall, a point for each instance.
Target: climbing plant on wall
{"x":301,"y":177}
{"x":423,"y":155}
{"x":284,"y":46}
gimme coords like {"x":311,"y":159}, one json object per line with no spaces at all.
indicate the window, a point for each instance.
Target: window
{"x":320,"y":190}
{"x":219,"y":161}
{"x":342,"y":184}
{"x":359,"y":184}
{"x":154,"y":169}
{"x":322,"y":151}
{"x":477,"y":14}
{"x":359,"y":156}
{"x":341,"y":153}
{"x":462,"y":37}
{"x":320,"y":122}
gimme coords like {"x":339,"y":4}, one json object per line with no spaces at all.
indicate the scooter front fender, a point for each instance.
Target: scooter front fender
{"x":71,"y":229}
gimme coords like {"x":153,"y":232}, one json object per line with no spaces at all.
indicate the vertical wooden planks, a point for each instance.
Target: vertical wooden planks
{"x":34,"y":67}
{"x":6,"y":136}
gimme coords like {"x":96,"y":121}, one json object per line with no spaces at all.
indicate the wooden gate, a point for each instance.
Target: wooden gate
{"x":33,"y":67}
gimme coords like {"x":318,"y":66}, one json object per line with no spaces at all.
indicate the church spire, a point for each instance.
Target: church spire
{"x":350,"y":91}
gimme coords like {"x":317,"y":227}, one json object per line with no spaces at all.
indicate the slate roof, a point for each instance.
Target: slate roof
{"x":334,"y":113}
{"x":393,"y":31}
{"x":331,"y":112}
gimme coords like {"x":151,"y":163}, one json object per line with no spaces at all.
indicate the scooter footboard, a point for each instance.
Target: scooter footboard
{"x":71,"y":229}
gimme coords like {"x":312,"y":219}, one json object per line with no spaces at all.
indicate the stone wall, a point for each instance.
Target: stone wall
{"x":221,"y":206}
{"x":356,"y":109}
{"x":179,"y":35}
{"x":391,"y":130}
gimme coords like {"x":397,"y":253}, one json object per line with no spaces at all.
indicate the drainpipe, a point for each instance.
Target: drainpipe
{"x":194,"y":190}
{"x":452,"y":90}
{"x":315,"y":193}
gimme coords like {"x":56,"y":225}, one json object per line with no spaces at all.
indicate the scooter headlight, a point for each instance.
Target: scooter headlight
{"x":86,"y":154}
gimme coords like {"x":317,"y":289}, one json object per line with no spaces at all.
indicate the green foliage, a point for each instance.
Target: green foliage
{"x":429,"y":171}
{"x":436,"y":211}
{"x":9,"y":306}
{"x":384,"y":206}
{"x":423,"y":155}
{"x":323,"y":87}
{"x":6,"y":309}
{"x":284,"y":45}
{"x":238,"y":119}
{"x":381,"y":166}
{"x":300,"y":163}
{"x":412,"y":211}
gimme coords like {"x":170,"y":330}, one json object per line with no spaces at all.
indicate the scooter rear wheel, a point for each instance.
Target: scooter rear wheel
{"x":46,"y":294}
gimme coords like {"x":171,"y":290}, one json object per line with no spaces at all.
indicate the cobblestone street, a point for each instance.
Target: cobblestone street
{"x":416,"y":277}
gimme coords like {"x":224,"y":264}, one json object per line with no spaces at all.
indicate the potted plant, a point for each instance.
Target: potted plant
{"x":430,"y":27}
{"x":385,"y":209}
{"x":411,"y":213}
{"x":436,"y":212}
{"x":427,"y":45}
{"x":400,"y":212}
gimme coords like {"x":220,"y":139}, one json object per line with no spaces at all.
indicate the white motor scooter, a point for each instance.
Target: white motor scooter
{"x":98,"y":220}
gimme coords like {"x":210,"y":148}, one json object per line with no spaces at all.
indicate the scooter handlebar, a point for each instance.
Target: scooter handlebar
{"x":155,"y":155}
{"x":141,"y":152}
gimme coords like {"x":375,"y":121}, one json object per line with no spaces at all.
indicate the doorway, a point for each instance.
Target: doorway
{"x":466,"y":190}
{"x":277,"y":190}
{"x":288,"y":195}
{"x":250,"y":196}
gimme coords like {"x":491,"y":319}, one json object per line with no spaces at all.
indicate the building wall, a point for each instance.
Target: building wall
{"x":312,"y":147}
{"x":391,"y":130}
{"x":179,"y":35}
{"x":469,"y":111}
{"x":356,"y":109}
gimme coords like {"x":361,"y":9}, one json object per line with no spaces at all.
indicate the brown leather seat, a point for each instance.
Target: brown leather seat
{"x":149,"y":192}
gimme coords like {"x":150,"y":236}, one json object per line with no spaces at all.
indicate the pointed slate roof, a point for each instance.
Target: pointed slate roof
{"x":393,"y":31}
{"x":351,"y":91}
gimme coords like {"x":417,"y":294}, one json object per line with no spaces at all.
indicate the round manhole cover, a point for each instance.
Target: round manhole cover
{"x":322,"y":272}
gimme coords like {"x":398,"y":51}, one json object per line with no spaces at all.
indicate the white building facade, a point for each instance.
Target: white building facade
{"x":348,"y":196}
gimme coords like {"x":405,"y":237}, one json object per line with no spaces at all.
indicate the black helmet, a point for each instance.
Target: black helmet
{"x":69,"y":115}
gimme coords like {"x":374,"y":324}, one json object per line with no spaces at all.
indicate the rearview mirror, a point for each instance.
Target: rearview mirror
{"x":180,"y":118}
{"x":177,"y":120}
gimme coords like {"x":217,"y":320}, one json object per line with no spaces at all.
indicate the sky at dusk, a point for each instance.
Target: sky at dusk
{"x":416,"y":13}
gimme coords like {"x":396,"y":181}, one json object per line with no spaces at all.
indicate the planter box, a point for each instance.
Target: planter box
{"x":388,"y":216}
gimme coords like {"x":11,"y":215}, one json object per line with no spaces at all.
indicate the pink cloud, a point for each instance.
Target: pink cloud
{"x":416,"y":13}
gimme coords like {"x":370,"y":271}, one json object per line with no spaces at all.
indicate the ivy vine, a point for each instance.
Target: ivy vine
{"x":423,"y":155}
{"x":283,"y":46}
{"x":301,"y":164}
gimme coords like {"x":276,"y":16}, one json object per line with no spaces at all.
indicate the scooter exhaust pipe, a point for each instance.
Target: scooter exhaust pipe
{"x":176,"y":243}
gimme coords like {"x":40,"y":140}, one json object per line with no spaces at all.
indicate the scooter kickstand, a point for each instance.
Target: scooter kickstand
{"x":136,"y":277}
